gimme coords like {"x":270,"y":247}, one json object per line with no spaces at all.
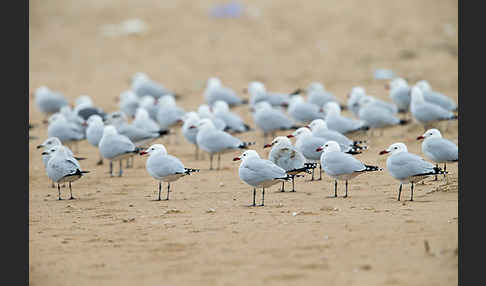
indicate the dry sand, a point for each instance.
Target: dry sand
{"x":115,"y":234}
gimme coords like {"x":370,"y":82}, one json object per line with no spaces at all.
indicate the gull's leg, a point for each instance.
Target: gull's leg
{"x":263,"y":197}
{"x":168,"y":190}
{"x":71,"y":192}
{"x":320,"y":172}
{"x":445,"y":168}
{"x":283,"y":187}
{"x":254,"y":195}
{"x":100,"y":162}
{"x":160,"y":188}
{"x":210,"y":161}
{"x":219,"y":161}
{"x":399,"y":192}
{"x":59,"y":191}
{"x":121,"y":169}
{"x":312,"y":178}
{"x":335,"y":188}
{"x":346,"y":195}
{"x":53,"y":185}
{"x":437,"y":166}
{"x":111,"y":168}
{"x":293,"y":184}
{"x":411,"y":194}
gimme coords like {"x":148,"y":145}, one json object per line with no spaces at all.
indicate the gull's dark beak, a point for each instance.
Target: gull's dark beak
{"x":319,"y":149}
{"x":290,"y":136}
{"x":383,"y":152}
{"x":236,"y":158}
{"x":420,"y":137}
{"x":267,"y":145}
{"x":39,"y":146}
{"x":44,"y":153}
{"x":192,"y":127}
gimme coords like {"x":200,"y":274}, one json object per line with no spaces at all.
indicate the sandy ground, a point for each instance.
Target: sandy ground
{"x":116,"y":234}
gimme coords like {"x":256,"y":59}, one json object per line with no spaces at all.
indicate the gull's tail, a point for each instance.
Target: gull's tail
{"x":369,"y":168}
{"x":245,"y":145}
{"x":307,"y":167}
{"x":188,"y":171}
{"x":403,"y":121}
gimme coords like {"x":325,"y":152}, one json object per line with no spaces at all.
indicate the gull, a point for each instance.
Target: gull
{"x":129,"y":103}
{"x":164,"y":167}
{"x":407,"y":167}
{"x":427,"y":113}
{"x":319,"y":129}
{"x":149,"y":103}
{"x":214,"y":141}
{"x":341,"y":166}
{"x":115,"y":147}
{"x":303,"y":111}
{"x":438,"y":149}
{"x":232,"y":120}
{"x":48,"y":101}
{"x":258,"y":93}
{"x":307,"y":144}
{"x":94,"y":132}
{"x":69,"y":133}
{"x":399,"y":92}
{"x":63,"y":168}
{"x":287,"y":157}
{"x":318,"y":95}
{"x":335,"y":121}
{"x":375,"y":116}
{"x":216,"y":91}
{"x":143,"y":85}
{"x":259,"y":173}
{"x":84,"y":108}
{"x":168,"y":113}
{"x":204,"y":111}
{"x":48,"y":144}
{"x":436,"y":97}
{"x":143,"y":121}
{"x":139,"y":136}
{"x":190,"y":134}
{"x":359,"y":92}
{"x":271,"y":120}
{"x":73,"y":118}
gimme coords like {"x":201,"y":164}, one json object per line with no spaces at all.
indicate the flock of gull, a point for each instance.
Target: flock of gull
{"x":323,"y":135}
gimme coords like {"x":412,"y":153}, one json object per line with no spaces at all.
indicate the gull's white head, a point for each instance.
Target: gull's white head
{"x":317,"y":124}
{"x":116,"y":117}
{"x":220,"y":106}
{"x":423,"y":85}
{"x":147,"y":101}
{"x":417,"y":95}
{"x":246,"y":155}
{"x":332,"y":108}
{"x":155,"y":149}
{"x":315,"y":87}
{"x":54,"y":150}
{"x":83,"y":99}
{"x":167,"y":100}
{"x":139,"y":77}
{"x":204,"y":111}
{"x":50,"y":142}
{"x":395,"y":148}
{"x":256,"y":88}
{"x":261,"y":106}
{"x":398,"y":82}
{"x":330,"y":146}
{"x":431,"y":133}
{"x":56,"y":117}
{"x":204,"y":123}
{"x":141,"y":113}
{"x":214,"y":82}
{"x":128,"y":95}
{"x":302,"y":131}
{"x":191,"y":115}
{"x":94,"y":119}
{"x":279,"y":141}
{"x":109,"y":130}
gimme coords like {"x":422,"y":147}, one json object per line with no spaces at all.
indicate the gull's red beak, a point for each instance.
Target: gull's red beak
{"x":143,"y":153}
{"x":420,"y":137}
{"x":308,"y":127}
{"x":267,"y":145}
{"x":192,"y":127}
{"x":383,"y":152}
{"x":236,"y":158}
{"x":284,"y":104}
{"x":319,"y":149}
{"x":290,"y":136}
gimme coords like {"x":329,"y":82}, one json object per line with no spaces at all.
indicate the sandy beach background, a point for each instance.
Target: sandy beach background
{"x":116,"y":234}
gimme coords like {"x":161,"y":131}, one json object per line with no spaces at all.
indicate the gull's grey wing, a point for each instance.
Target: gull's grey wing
{"x":440,"y":149}
{"x":404,"y":165}
{"x":339,"y":163}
